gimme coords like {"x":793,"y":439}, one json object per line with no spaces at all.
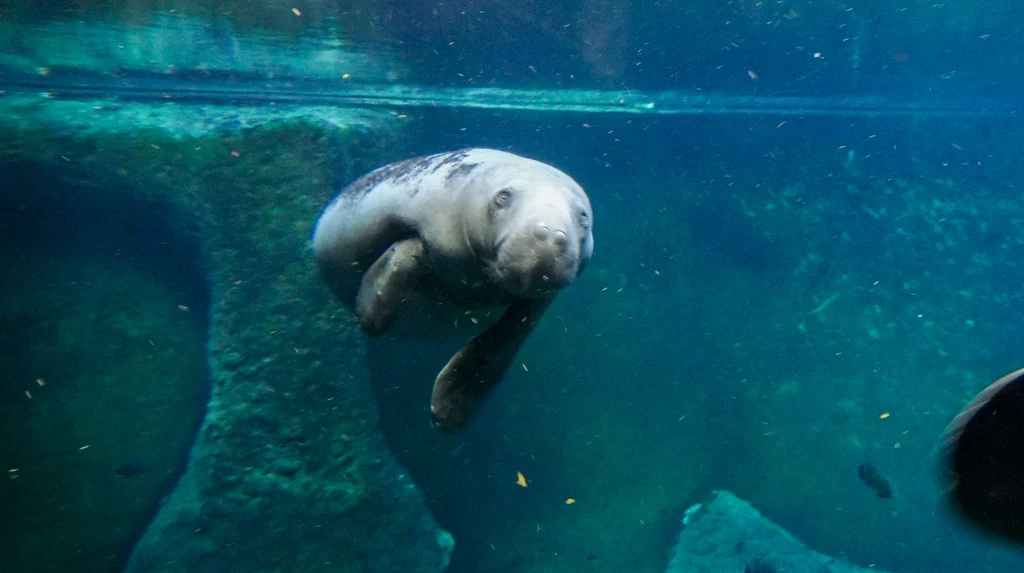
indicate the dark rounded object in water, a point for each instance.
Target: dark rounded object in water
{"x":761,"y":565}
{"x":132,"y":468}
{"x":874,"y":479}
{"x":983,"y":449}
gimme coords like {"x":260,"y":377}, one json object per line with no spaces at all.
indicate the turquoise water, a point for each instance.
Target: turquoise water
{"x":807,"y":226}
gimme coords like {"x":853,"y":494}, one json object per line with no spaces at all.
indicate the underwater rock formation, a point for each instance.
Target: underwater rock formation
{"x":288,"y":470}
{"x":725,"y":533}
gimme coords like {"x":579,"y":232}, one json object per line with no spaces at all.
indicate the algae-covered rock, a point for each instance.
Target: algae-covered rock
{"x":725,"y":533}
{"x":288,"y":472}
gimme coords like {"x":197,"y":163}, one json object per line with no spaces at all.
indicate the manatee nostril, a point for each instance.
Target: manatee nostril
{"x":542,"y":231}
{"x":561,"y":239}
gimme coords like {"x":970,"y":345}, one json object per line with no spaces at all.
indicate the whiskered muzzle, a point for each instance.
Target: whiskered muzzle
{"x":554,"y":270}
{"x":536,"y":272}
{"x":538,"y":256}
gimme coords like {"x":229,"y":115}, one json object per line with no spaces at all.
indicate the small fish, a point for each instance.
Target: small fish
{"x":131,"y":468}
{"x":874,"y":479}
{"x":520,"y":479}
{"x":981,"y":454}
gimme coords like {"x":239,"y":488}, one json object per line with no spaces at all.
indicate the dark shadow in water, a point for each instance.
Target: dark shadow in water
{"x":109,"y":267}
{"x":402,"y":374}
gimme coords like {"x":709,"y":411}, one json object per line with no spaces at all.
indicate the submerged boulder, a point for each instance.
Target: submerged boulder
{"x":725,"y":533}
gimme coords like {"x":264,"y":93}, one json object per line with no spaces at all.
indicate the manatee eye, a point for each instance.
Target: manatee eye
{"x":502,"y":198}
{"x":584,"y":220}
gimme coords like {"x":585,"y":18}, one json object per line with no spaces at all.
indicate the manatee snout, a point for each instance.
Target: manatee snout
{"x":555,"y":237}
{"x":543,"y":256}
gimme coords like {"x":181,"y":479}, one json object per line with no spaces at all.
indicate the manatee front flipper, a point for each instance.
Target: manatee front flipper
{"x":478,"y":367}
{"x":387,"y":283}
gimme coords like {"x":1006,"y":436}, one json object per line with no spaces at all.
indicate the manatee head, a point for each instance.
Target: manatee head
{"x":534,"y":228}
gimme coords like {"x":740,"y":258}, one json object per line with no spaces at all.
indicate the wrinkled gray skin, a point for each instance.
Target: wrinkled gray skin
{"x":414,"y":246}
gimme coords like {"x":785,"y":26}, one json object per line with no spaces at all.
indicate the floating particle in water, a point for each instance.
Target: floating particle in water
{"x":520,"y":479}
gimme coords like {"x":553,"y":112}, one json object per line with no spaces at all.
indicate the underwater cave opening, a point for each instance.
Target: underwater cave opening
{"x":104,"y":309}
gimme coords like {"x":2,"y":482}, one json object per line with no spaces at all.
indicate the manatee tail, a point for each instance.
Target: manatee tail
{"x":477,"y":368}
